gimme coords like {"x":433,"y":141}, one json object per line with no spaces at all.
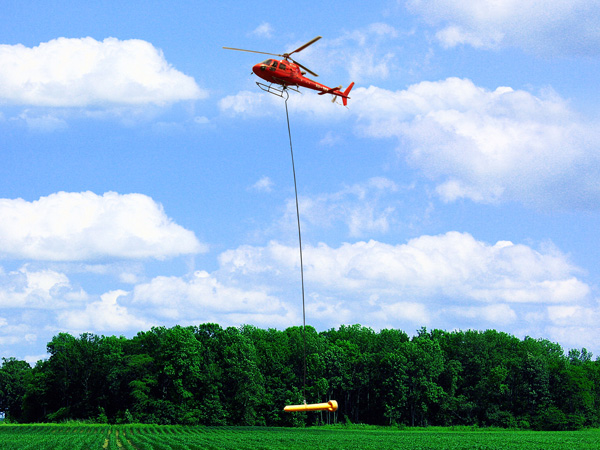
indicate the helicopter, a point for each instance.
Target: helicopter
{"x":290,"y":74}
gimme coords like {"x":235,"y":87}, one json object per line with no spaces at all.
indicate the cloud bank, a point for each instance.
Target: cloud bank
{"x":489,"y":145}
{"x":452,"y":265}
{"x":69,"y":226}
{"x":85,"y":72}
{"x":486,"y":145}
{"x":445,"y":281}
{"x":539,"y":26}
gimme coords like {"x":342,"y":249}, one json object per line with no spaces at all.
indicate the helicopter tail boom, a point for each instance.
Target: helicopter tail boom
{"x":337,"y":91}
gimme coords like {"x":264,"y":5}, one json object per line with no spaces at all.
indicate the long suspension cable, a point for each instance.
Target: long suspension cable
{"x":300,"y":246}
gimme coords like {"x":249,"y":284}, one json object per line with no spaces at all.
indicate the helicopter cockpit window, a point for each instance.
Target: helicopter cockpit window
{"x":268,"y":62}
{"x":274,"y":64}
{"x":282,"y":66}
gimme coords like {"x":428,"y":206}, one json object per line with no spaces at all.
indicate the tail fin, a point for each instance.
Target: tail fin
{"x":346,"y":92}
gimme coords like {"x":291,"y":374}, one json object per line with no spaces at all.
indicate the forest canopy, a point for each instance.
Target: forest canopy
{"x":211,"y":375}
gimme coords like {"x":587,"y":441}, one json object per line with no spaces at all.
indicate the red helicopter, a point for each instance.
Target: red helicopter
{"x":288,"y":74}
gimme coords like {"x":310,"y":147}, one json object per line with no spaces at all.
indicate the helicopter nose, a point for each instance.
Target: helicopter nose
{"x":258,"y":67}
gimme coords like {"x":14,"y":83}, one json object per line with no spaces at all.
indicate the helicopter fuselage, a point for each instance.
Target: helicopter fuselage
{"x":286,"y":73}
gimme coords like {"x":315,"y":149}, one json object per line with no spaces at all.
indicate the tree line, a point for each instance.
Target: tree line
{"x":211,"y":375}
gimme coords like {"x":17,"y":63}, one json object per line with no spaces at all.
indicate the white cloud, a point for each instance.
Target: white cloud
{"x":103,"y":315}
{"x":488,"y":145}
{"x":364,"y":208}
{"x":248,"y":104}
{"x":499,"y":314}
{"x":39,"y":289}
{"x":78,"y":226}
{"x":417,"y":314}
{"x":539,"y":26}
{"x":85,"y":72}
{"x":263,"y":30}
{"x":584,"y":315}
{"x":11,"y":339}
{"x":201,"y":120}
{"x":573,"y":325}
{"x":42,"y":122}
{"x":332,"y":311}
{"x":265,"y":184}
{"x":363,"y":53}
{"x":330,"y":139}
{"x":203,"y":298}
{"x":452,"y":265}
{"x":11,"y":334}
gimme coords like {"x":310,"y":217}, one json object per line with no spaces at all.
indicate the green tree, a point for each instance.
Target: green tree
{"x":211,"y":385}
{"x":243,"y":386}
{"x":424,"y":364}
{"x":273,"y":359}
{"x":394,"y":383}
{"x":36,"y":400}
{"x":579,"y":404}
{"x":350,"y":368}
{"x":13,"y":378}
{"x":214,"y":376}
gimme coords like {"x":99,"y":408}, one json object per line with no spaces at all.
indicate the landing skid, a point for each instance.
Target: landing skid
{"x":278,"y":90}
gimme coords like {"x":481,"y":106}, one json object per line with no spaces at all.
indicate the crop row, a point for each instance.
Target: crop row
{"x":133,"y":437}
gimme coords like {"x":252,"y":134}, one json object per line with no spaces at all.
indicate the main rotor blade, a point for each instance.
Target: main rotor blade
{"x":311,"y":42}
{"x":251,"y":51}
{"x":305,"y":68}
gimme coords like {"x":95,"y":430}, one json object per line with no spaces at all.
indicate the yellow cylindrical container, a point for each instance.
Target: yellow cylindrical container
{"x":331,"y":405}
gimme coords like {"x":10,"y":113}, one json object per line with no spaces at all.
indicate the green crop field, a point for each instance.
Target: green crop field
{"x":149,"y":437}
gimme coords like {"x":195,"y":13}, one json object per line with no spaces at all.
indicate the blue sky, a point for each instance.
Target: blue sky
{"x":146,"y":180}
